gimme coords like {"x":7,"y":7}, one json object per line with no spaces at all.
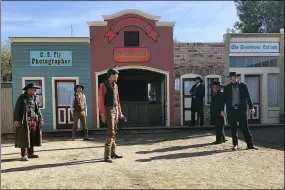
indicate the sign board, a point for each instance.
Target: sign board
{"x":126,"y":22}
{"x":177,"y":84}
{"x":257,"y":47}
{"x":51,"y":58}
{"x":131,"y":55}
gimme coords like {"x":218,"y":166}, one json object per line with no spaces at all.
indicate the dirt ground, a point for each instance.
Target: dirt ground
{"x":151,"y":161}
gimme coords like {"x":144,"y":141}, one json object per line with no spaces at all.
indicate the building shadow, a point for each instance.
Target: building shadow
{"x":175,"y":148}
{"x":184,"y":155}
{"x":59,"y":149}
{"x":27,"y":168}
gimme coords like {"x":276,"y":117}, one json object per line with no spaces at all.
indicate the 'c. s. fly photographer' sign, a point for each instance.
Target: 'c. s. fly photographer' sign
{"x":257,"y":47}
{"x":51,"y":58}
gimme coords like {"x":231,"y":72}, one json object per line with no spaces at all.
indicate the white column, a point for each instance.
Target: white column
{"x":264,"y":98}
{"x":242,"y":78}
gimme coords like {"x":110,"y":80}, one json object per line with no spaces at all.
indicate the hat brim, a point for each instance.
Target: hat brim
{"x":237,"y":75}
{"x":35,"y":87}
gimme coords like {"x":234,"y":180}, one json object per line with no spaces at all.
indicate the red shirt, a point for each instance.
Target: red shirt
{"x":101,"y":99}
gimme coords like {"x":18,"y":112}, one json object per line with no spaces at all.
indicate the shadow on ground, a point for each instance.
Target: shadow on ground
{"x":26,"y":168}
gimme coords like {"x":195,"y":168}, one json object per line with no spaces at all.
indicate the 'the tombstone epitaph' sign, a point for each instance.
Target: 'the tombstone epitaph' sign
{"x":251,"y":47}
{"x":51,"y":58}
{"x":126,"y":22}
{"x":131,"y":55}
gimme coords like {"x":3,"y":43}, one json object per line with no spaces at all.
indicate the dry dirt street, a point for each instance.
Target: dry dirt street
{"x":151,"y":161}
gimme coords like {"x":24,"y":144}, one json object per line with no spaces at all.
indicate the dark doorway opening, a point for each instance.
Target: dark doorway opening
{"x":143,"y":97}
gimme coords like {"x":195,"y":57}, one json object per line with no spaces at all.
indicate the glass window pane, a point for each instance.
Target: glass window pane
{"x":241,"y":61}
{"x":265,"y":61}
{"x":257,"y":62}
{"x":273,"y":62}
{"x":65,"y":91}
{"x":187,"y":87}
{"x":249,"y":61}
{"x":253,"y":87}
{"x":151,"y":92}
{"x":273,"y":90}
{"x":233,"y":62}
{"x":209,"y":88}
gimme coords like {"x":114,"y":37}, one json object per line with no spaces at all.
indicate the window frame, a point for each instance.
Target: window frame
{"x":268,"y":95}
{"x":238,"y":59}
{"x":138,"y":32}
{"x":206,"y":85}
{"x":42,"y":79}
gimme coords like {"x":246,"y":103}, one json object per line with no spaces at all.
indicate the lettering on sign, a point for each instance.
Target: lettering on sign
{"x":134,"y":55}
{"x":51,"y":58}
{"x":247,"y":47}
{"x":126,"y":22}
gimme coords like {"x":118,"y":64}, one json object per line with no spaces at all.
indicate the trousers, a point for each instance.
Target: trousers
{"x":82,"y":117}
{"x":218,"y":122}
{"x":112,"y":115}
{"x":32,"y":124}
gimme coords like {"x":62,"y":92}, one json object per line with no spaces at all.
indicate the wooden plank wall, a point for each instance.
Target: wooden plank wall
{"x":7,"y":110}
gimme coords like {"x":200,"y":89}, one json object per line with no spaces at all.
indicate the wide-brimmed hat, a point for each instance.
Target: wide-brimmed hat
{"x":31,"y":85}
{"x":216,"y":83}
{"x":82,"y":87}
{"x":199,"y":78}
{"x":233,"y":74}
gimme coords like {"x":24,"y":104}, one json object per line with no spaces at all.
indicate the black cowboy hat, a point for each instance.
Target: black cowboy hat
{"x":233,"y":74}
{"x":199,"y":78}
{"x":82,"y":87}
{"x":216,"y":83}
{"x":31,"y":85}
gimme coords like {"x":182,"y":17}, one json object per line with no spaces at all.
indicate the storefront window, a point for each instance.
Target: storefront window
{"x":151,"y":92}
{"x":131,"y":39}
{"x":252,"y":61}
{"x":38,"y":92}
{"x":209,"y":90}
{"x":272,"y":90}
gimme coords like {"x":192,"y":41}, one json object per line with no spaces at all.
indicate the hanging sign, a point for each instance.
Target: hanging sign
{"x":133,"y":55}
{"x":126,"y":22}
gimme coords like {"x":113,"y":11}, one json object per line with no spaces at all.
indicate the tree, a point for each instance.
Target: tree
{"x":6,"y":64}
{"x":259,"y":16}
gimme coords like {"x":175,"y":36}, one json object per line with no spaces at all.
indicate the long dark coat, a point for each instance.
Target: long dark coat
{"x":244,"y":98}
{"x":217,"y":106}
{"x":22,"y":133}
{"x":197,"y":103}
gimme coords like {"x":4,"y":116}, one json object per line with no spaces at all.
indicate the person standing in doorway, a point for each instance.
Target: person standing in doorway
{"x":216,"y":108}
{"x":237,"y":98}
{"x":197,"y":93}
{"x":79,"y":110}
{"x":28,"y":121}
{"x":110,"y":111}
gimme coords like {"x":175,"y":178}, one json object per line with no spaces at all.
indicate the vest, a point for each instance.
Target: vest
{"x":31,"y":106}
{"x":111,"y":95}
{"x":78,"y":103}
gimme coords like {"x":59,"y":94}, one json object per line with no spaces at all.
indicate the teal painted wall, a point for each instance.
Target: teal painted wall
{"x":80,"y":68}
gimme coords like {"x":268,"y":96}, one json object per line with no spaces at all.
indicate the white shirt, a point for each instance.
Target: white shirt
{"x":84,"y":100}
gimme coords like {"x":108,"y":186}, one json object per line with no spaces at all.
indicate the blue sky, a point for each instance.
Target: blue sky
{"x":204,"y":21}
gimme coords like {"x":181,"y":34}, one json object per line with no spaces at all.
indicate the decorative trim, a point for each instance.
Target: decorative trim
{"x":166,"y":24}
{"x":43,"y":87}
{"x":49,"y":39}
{"x":53,"y":79}
{"x":181,"y":94}
{"x":206,"y":85}
{"x":255,"y":54}
{"x":166,"y":73}
{"x":97,"y":23}
{"x":64,"y":117}
{"x":69,"y":116}
{"x":130,"y":11}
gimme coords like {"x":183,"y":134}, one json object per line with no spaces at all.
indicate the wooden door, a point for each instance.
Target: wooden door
{"x":64,"y":91}
{"x":253,"y":85}
{"x":187,"y":85}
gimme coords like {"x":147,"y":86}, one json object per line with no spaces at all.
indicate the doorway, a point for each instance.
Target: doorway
{"x":64,"y":91}
{"x":187,"y":85}
{"x":253,"y":85}
{"x":143,"y":97}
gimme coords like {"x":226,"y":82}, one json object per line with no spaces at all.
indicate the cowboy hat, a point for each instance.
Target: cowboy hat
{"x":75,"y":88}
{"x":216,"y":83}
{"x":31,"y":85}
{"x":199,"y":78}
{"x":233,"y":74}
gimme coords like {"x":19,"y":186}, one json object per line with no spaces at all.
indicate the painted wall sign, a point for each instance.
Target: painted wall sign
{"x":51,"y":58}
{"x":134,"y":55}
{"x":126,"y":22}
{"x":258,"y":47}
{"x":177,"y":84}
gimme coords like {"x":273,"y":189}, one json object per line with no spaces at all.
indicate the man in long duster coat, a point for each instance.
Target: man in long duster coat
{"x":28,"y":131}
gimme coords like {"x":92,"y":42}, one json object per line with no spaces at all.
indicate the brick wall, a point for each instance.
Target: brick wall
{"x":201,"y":59}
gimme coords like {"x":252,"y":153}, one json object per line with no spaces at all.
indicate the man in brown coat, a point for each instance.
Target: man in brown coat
{"x":110,"y":111}
{"x":28,"y":121}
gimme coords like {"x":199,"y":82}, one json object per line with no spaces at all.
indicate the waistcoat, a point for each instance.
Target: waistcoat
{"x":78,"y":103}
{"x":111,"y":95}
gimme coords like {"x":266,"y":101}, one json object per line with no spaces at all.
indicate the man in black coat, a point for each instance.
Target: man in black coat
{"x":237,"y":97}
{"x":197,"y":93}
{"x":216,"y":108}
